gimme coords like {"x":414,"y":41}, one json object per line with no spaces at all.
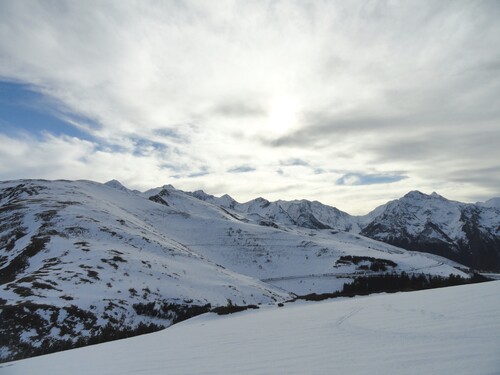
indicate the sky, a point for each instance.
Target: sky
{"x":351,"y":103}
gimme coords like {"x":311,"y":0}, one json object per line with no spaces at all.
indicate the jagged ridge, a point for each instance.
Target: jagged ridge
{"x":467,"y":233}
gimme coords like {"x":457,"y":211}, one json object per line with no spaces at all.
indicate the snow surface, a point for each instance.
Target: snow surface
{"x":453,"y":330}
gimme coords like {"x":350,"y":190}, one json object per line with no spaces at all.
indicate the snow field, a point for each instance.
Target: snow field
{"x":453,"y":330}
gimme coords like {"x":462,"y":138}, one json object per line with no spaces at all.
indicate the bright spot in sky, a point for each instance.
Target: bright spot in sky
{"x":283,"y":114}
{"x":351,"y":180}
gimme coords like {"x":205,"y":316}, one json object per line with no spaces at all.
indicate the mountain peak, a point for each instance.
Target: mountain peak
{"x":415,"y":194}
{"x":200,"y":194}
{"x":436,"y":195}
{"x":227,"y":197}
{"x":261,"y":200}
{"x":115,"y":184}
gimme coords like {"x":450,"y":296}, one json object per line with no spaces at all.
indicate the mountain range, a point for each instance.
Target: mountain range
{"x":465,"y":232}
{"x":82,"y":260}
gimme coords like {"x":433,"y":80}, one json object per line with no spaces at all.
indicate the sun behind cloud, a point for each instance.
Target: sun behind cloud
{"x":282,"y":115}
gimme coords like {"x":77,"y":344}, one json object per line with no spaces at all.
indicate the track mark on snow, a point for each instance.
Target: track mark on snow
{"x":347,"y":316}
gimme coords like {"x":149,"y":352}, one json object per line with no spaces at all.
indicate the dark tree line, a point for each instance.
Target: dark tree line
{"x":105,"y":334}
{"x":391,"y":282}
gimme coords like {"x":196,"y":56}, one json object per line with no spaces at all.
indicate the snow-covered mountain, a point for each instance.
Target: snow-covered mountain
{"x":467,"y":233}
{"x":493,"y":202}
{"x":81,"y":259}
{"x":297,"y":259}
{"x":302,"y":213}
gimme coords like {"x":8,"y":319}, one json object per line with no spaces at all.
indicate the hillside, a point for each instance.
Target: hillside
{"x":80,"y":259}
{"x":300,"y":260}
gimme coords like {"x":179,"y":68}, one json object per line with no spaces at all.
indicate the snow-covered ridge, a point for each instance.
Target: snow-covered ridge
{"x":302,"y":213}
{"x":468,"y":233}
{"x":493,"y":202}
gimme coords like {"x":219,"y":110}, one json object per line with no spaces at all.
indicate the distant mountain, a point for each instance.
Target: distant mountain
{"x":301,"y":213}
{"x":493,"y":202}
{"x":115,"y":184}
{"x":466,"y":233}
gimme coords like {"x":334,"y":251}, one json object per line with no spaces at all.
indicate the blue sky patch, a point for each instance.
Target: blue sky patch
{"x":22,"y":109}
{"x":368,"y":179}
{"x":294,"y":162}
{"x":143,"y":146}
{"x":171,"y":133}
{"x":202,"y":172}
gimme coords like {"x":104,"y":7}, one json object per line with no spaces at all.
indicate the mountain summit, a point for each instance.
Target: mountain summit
{"x":467,"y":233}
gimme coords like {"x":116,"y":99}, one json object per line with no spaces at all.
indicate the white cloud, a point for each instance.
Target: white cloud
{"x":180,"y":88}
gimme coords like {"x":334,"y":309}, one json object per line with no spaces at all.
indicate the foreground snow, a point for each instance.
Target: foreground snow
{"x":443,"y":331}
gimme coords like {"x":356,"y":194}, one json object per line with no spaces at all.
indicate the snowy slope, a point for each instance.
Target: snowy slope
{"x":78,"y":256}
{"x":453,"y":331}
{"x":297,"y":259}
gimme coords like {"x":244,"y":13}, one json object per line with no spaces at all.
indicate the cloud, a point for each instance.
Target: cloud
{"x":150,"y":91}
{"x":294,"y":162}
{"x":241,"y":169}
{"x":198,"y":174}
{"x":237,"y":109}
